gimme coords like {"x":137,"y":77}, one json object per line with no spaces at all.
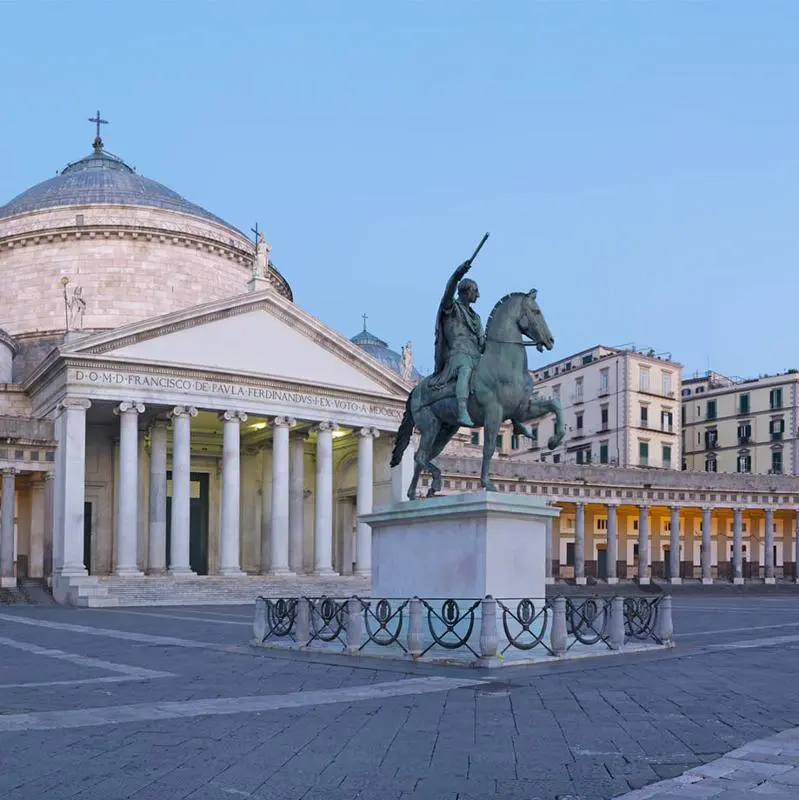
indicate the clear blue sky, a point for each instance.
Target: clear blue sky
{"x":636,"y":162}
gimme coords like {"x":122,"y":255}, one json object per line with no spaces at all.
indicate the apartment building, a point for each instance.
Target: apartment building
{"x":745,"y":426}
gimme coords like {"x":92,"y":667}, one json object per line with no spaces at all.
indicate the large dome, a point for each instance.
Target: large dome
{"x":380,"y":350}
{"x":102,"y":179}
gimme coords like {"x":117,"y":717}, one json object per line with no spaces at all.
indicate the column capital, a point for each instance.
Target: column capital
{"x":8,"y":471}
{"x":364,"y":432}
{"x":231,"y":415}
{"x":183,"y":411}
{"x":129,"y":407}
{"x":644,"y":505}
{"x":674,"y":507}
{"x":74,"y":403}
{"x":325,"y":426}
{"x":283,"y":422}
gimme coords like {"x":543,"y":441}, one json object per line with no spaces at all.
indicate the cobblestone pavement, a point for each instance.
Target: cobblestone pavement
{"x":171,"y":703}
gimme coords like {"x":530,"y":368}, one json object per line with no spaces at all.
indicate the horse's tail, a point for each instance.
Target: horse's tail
{"x":403,"y":434}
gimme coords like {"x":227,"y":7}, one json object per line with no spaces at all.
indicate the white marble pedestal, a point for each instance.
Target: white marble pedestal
{"x":460,"y":546}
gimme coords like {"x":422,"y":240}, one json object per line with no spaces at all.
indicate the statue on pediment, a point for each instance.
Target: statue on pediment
{"x":262,"y":251}
{"x":76,"y":308}
{"x":406,"y":361}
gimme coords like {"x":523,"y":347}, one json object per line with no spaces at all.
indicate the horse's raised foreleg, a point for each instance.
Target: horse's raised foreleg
{"x":492,"y":420}
{"x":538,"y":408}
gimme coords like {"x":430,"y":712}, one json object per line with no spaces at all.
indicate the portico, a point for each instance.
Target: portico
{"x":173,"y":459}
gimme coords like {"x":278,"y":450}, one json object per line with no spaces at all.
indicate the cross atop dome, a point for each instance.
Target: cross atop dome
{"x":98,"y":142}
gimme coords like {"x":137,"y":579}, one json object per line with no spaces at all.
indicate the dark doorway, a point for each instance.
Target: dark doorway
{"x":198,"y":521}
{"x":667,"y":563}
{"x":602,"y":563}
{"x":87,"y":537}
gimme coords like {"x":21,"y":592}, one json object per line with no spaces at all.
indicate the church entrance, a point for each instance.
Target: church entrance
{"x":198,"y":521}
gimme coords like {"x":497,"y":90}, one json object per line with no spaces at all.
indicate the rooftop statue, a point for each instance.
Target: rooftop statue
{"x":481,"y":379}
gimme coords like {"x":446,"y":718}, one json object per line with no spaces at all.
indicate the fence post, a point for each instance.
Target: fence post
{"x":617,"y":623}
{"x":259,"y":621}
{"x":415,"y":633}
{"x":488,"y":628}
{"x":558,"y":634}
{"x":354,"y":624}
{"x":303,"y":621}
{"x":665,"y":628}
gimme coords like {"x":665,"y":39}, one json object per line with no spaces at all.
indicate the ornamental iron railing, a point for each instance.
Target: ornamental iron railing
{"x":457,"y":629}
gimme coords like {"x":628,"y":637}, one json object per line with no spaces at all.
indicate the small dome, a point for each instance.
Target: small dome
{"x":8,"y":341}
{"x":100,"y":179}
{"x":380,"y":351}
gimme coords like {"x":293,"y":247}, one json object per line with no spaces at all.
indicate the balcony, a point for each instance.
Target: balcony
{"x":577,"y":397}
{"x":604,"y":390}
{"x":776,"y":436}
{"x":666,"y":428}
{"x":711,"y":444}
{"x":744,"y":440}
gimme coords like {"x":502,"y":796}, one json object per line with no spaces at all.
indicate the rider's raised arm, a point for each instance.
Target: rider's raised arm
{"x":452,"y":285}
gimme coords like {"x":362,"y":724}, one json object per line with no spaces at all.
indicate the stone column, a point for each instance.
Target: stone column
{"x":323,"y":500}
{"x":230,"y":543}
{"x":674,"y":552}
{"x":180,"y":533}
{"x":127,"y":521}
{"x":69,"y":494}
{"x":737,"y":546}
{"x":548,"y":551}
{"x":579,"y":543}
{"x":793,"y":544}
{"x":49,"y":497}
{"x":38,"y":522}
{"x":707,"y":521}
{"x":364,"y":500}
{"x":296,"y":501}
{"x":643,"y":544}
{"x":613,"y":543}
{"x":768,"y":547}
{"x":7,"y":579}
{"x":279,"y":534}
{"x":266,"y":509}
{"x":156,"y":552}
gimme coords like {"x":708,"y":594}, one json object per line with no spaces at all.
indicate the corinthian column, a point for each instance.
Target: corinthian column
{"x":579,"y":543}
{"x":737,"y":546}
{"x":323,"y":501}
{"x":613,"y":543}
{"x":230,"y":544}
{"x":364,"y":500}
{"x":643,"y":544}
{"x":128,"y":512}
{"x":180,"y":532}
{"x":7,"y":578}
{"x":674,"y":546}
{"x":768,"y":554}
{"x":707,"y":521}
{"x":279,"y":534}
{"x":156,"y":551}
{"x":296,"y":501}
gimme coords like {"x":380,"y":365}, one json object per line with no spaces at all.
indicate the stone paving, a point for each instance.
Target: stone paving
{"x":171,"y":703}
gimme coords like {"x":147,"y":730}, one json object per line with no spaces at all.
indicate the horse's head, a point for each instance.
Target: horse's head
{"x":533,"y":325}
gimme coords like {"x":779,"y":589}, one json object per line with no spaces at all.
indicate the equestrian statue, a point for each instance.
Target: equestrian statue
{"x":481,"y":378}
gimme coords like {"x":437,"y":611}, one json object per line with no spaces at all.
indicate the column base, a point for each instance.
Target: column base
{"x":8,"y":582}
{"x":157,"y":571}
{"x":362,"y":573}
{"x":281,"y":571}
{"x":612,"y":581}
{"x":581,"y":581}
{"x":180,"y":572}
{"x":707,"y":581}
{"x":675,"y":581}
{"x":643,"y":581}
{"x":127,"y":572}
{"x":231,"y":572}
{"x":739,"y":581}
{"x":770,"y":581}
{"x":325,"y":572}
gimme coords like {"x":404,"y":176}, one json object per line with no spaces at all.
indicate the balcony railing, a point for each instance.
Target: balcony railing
{"x":776,"y":436}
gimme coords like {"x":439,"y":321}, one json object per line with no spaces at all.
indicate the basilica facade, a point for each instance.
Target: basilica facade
{"x":166,"y":409}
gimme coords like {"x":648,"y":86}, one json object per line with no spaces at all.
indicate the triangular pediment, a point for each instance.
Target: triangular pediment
{"x":259,"y":334}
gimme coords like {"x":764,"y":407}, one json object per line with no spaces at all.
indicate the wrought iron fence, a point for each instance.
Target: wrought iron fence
{"x":456,"y":629}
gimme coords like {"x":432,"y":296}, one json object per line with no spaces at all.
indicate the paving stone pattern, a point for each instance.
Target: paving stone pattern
{"x":577,"y":731}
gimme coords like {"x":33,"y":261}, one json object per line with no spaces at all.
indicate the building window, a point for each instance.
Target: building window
{"x":534,"y":439}
{"x":667,"y":384}
{"x":556,"y":392}
{"x":556,"y":458}
{"x":686,"y":392}
{"x":643,"y":453}
{"x":499,"y":440}
{"x":604,"y":417}
{"x":578,"y":389}
{"x":644,"y":417}
{"x":744,"y":432}
{"x":710,"y":464}
{"x":588,"y":359}
{"x":743,"y":404}
{"x":603,"y":452}
{"x":514,"y":442}
{"x":776,"y":428}
{"x":667,"y":456}
{"x":578,"y":421}
{"x":602,"y":524}
{"x":604,"y":380}
{"x":569,"y":554}
{"x":643,"y":379}
{"x":711,"y":409}
{"x":776,"y":462}
{"x":775,"y":398}
{"x":711,"y":439}
{"x":475,"y":438}
{"x":546,"y":373}
{"x":666,"y":421}
{"x":744,"y":462}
